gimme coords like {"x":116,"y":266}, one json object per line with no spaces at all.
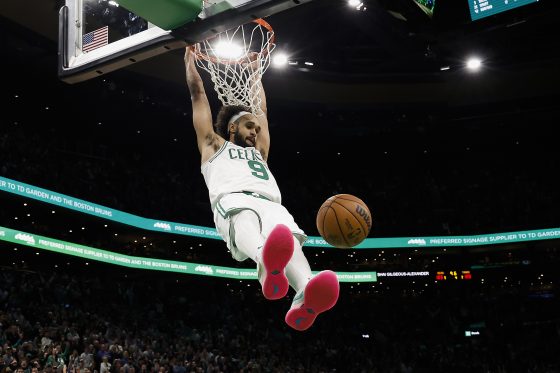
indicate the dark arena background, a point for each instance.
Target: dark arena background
{"x":109,"y":261}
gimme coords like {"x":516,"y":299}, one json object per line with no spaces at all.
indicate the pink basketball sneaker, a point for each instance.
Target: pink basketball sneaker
{"x":320,"y":294}
{"x":276,"y":253}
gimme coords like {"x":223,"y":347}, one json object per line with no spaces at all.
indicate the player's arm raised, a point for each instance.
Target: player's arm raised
{"x":208,"y":141}
{"x":263,"y":138}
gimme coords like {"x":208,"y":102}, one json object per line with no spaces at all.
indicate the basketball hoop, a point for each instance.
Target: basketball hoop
{"x":237,"y":77}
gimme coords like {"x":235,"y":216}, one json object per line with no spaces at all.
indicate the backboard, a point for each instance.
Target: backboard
{"x":100,"y":36}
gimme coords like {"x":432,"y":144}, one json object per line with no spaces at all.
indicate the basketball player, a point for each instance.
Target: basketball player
{"x":246,"y":203}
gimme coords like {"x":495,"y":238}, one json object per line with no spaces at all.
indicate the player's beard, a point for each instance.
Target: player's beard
{"x":239,"y":140}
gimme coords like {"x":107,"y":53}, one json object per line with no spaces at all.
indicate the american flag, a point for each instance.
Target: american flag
{"x":95,"y":39}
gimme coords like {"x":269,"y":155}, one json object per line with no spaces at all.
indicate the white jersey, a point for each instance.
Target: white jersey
{"x":237,"y":169}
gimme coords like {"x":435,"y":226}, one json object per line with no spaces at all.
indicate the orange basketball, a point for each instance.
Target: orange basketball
{"x":344,"y":221}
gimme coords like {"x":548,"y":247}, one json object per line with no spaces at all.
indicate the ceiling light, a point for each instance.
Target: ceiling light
{"x":358,"y":4}
{"x":280,"y":60}
{"x":228,"y":50}
{"x":474,"y":64}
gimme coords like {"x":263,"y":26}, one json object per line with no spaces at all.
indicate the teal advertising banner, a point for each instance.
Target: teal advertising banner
{"x":90,"y":253}
{"x":61,"y":200}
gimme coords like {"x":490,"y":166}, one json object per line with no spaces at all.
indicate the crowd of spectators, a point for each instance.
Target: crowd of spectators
{"x":67,"y":321}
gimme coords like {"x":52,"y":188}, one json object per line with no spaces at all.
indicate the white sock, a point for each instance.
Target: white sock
{"x":248,"y":237}
{"x":298,"y":270}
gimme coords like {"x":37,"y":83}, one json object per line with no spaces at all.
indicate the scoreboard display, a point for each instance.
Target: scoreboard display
{"x":453,"y":275}
{"x":484,"y":8}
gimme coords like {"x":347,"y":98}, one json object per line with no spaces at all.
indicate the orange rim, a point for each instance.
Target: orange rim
{"x":203,"y":56}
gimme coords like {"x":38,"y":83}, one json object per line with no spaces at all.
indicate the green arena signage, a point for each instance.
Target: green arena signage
{"x":89,"y":253}
{"x":61,"y":200}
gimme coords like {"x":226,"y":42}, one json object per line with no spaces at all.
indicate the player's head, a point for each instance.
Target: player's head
{"x":237,"y":124}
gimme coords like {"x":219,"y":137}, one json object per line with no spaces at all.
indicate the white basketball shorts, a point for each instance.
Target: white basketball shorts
{"x":269,"y":213}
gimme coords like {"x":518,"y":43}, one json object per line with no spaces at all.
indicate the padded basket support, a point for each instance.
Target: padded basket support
{"x":166,"y":14}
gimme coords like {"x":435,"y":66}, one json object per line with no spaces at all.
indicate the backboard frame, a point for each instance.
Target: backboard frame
{"x":75,"y":66}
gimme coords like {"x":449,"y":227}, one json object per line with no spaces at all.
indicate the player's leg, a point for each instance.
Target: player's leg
{"x":298,"y":270}
{"x":271,"y":255}
{"x":247,"y":234}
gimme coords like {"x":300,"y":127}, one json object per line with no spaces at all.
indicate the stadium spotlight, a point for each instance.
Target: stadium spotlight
{"x":228,"y":50}
{"x":280,"y":60}
{"x":474,"y":64}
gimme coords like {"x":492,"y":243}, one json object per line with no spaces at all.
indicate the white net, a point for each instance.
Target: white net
{"x":236,"y":60}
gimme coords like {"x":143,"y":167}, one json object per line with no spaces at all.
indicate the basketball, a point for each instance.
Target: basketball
{"x":344,"y":221}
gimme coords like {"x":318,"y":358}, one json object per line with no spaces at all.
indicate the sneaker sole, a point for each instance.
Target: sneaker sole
{"x":320,"y":295}
{"x":277,"y":252}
